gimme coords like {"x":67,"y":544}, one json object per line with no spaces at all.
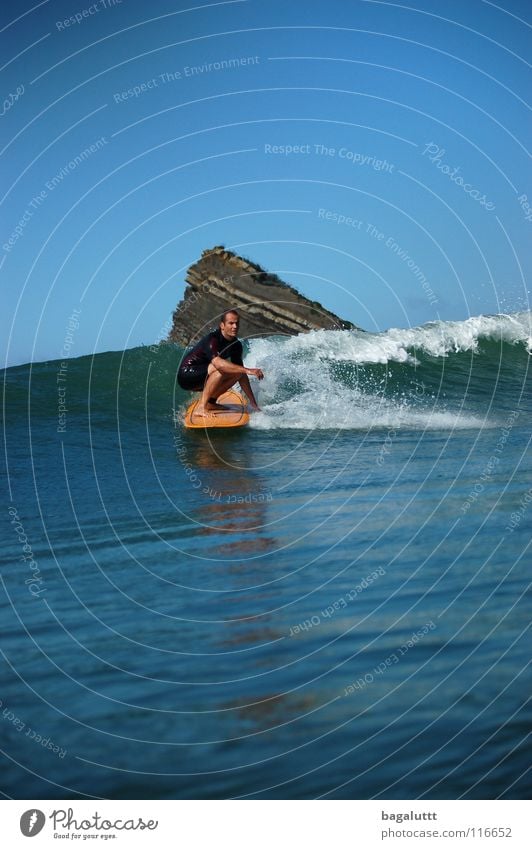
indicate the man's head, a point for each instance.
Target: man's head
{"x":229,"y":324}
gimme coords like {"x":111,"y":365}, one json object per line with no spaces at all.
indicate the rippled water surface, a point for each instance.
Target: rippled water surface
{"x":332,"y":602}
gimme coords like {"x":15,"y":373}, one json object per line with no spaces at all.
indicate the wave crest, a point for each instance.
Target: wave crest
{"x":438,"y":375}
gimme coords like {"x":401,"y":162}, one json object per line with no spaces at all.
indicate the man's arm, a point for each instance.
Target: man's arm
{"x":225,"y":367}
{"x":246,"y":386}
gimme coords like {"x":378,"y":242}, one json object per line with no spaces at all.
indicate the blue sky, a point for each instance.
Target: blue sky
{"x":372,"y":154}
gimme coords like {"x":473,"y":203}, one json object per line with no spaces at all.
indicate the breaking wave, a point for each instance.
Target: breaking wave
{"x":445,"y":374}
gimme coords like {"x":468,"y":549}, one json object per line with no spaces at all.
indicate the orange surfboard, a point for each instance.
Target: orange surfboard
{"x":235,"y":415}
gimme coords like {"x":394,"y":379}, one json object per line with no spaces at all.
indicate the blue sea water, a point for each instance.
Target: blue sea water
{"x":333,"y":602}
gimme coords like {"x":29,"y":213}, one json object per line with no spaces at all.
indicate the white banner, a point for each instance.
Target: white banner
{"x":265,"y":824}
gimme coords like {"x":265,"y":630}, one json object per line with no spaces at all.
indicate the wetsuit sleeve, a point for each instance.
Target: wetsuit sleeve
{"x":236,"y":354}
{"x":211,"y":349}
{"x":203,"y":352}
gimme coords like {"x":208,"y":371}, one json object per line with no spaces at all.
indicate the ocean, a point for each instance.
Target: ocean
{"x":333,"y":602}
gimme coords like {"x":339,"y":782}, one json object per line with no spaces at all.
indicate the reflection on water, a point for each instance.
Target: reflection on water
{"x":225,"y":492}
{"x":272,"y":710}
{"x":228,"y":502}
{"x":251,"y":635}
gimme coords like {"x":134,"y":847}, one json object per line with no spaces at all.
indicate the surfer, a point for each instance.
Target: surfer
{"x":206,"y":368}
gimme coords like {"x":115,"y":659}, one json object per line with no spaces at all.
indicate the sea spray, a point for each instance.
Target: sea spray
{"x":354,"y":380}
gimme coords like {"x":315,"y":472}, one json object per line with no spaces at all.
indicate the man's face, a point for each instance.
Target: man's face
{"x":230,"y":326}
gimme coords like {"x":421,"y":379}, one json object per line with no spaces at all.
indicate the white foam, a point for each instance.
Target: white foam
{"x":438,"y":339}
{"x":299,"y":390}
{"x":352,"y":410}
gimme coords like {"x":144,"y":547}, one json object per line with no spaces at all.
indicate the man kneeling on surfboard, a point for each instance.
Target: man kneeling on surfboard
{"x":206,"y":368}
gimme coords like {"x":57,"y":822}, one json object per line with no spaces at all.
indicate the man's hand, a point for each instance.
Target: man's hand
{"x":256,"y":372}
{"x":255,"y":408}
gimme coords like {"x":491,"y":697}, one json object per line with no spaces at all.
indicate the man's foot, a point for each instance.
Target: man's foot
{"x":212,"y":404}
{"x":201,"y":413}
{"x":209,"y":408}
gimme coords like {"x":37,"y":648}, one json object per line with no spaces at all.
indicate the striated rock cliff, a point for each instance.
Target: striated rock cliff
{"x":221,"y":280}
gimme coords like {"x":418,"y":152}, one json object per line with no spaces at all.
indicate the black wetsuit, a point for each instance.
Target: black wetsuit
{"x":194,"y":366}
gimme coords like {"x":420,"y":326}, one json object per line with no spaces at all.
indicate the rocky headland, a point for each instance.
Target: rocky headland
{"x":267,"y":306}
